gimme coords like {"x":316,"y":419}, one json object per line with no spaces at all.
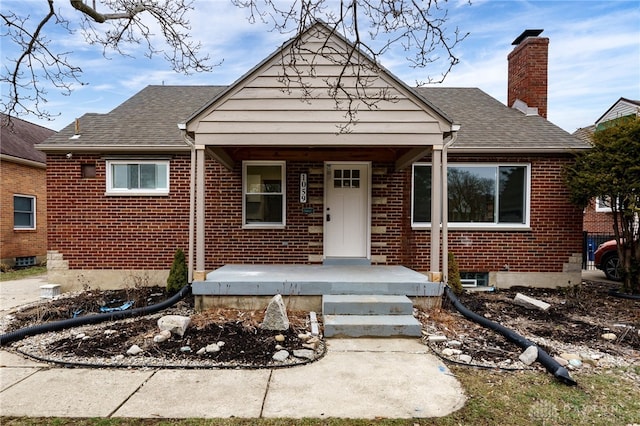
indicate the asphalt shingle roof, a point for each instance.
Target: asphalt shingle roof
{"x":18,"y":138}
{"x":150,"y":118}
{"x":488,"y":124}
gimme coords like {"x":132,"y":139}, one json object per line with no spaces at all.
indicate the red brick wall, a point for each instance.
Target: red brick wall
{"x":23,"y":180}
{"x":528,"y":74}
{"x":227,"y":242}
{"x":555,"y":234}
{"x":597,"y":222}
{"x":94,"y":231}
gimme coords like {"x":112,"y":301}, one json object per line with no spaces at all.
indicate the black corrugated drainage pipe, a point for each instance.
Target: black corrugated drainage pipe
{"x":544,"y":358}
{"x":93,"y":319}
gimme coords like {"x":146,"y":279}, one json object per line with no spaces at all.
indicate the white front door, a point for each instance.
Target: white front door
{"x":346,"y":210}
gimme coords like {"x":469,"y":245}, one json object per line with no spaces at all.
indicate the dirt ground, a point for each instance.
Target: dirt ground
{"x":576,"y":321}
{"x":578,"y":318}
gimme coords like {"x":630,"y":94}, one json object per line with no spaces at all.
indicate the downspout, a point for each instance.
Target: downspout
{"x":192,"y":199}
{"x":445,"y":204}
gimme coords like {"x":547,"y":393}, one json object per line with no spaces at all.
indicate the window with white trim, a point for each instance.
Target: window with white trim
{"x":263,"y":184}
{"x":479,"y":195}
{"x":24,"y":212}
{"x":603,"y":204}
{"x":138,"y":177}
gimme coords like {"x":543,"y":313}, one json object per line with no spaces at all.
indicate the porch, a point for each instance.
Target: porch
{"x":315,"y":280}
{"x":355,"y":300}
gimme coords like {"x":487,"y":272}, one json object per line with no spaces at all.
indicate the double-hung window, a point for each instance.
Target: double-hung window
{"x":24,"y":212}
{"x":138,"y":177}
{"x":479,"y":195}
{"x":264,"y":192}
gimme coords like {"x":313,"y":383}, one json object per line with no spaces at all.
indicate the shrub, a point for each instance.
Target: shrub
{"x":454,"y":275}
{"x":178,"y":273}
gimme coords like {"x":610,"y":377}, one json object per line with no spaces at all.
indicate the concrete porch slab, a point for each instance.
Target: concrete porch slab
{"x":311,"y":280}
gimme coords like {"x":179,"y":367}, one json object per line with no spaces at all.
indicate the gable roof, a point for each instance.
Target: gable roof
{"x":146,"y":121}
{"x":286,"y":100}
{"x":487,"y":125}
{"x":19,"y":138}
{"x":620,"y":108}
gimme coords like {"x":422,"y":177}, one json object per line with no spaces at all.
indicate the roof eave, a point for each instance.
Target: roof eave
{"x":116,"y":148}
{"x":496,"y":150}
{"x":23,"y":161}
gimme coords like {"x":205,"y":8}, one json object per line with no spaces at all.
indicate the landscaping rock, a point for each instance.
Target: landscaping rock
{"x":163,"y":336}
{"x":275,"y":318}
{"x":563,"y":362}
{"x":279,"y":338}
{"x":465,"y":358}
{"x":609,"y":336}
{"x":174,"y":323}
{"x":281,"y":355}
{"x":530,"y":355}
{"x":436,"y":338}
{"x":569,"y":356}
{"x":212,"y":348}
{"x":134,"y":350}
{"x":304,"y":353}
{"x":530,"y":302}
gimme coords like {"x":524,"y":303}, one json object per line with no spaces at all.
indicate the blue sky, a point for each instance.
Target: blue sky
{"x":594,"y":55}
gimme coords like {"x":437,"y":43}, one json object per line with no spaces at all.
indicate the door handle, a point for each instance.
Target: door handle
{"x":328,"y":217}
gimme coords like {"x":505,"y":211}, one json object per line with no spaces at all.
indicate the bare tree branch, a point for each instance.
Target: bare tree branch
{"x":121,"y":24}
{"x":373,"y":27}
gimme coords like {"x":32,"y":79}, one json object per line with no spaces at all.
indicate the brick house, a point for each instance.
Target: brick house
{"x":260,"y":173}
{"x":23,"y":201}
{"x":597,"y":222}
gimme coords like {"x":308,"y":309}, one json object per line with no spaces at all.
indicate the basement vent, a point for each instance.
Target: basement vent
{"x":469,"y":283}
{"x":24,"y":262}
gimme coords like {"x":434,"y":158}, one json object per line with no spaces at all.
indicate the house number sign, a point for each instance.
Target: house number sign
{"x":303,"y":187}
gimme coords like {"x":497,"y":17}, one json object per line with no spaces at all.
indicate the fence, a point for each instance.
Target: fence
{"x":590,"y":243}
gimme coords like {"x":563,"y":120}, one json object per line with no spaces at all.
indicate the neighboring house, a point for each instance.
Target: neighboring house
{"x":255,"y":173}
{"x":23,"y":183}
{"x":598,"y":219}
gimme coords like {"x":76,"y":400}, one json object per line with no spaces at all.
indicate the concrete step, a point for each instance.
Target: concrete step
{"x":371,"y":325}
{"x":366,"y":304}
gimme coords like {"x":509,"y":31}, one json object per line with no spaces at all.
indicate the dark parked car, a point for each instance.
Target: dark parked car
{"x":606,"y":259}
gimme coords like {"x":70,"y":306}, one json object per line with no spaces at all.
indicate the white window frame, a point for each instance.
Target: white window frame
{"x":600,"y":208}
{"x":481,"y":225}
{"x":136,"y":191}
{"x":35,"y":216}
{"x":283,"y":177}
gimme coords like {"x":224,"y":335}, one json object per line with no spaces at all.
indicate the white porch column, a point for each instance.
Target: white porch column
{"x":200,"y":272}
{"x":436,"y":213}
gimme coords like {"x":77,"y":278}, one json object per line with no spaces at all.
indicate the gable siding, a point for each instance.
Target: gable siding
{"x":620,"y":109}
{"x":281,"y":105}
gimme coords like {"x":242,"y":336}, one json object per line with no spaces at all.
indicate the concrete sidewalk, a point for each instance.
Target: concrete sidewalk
{"x":358,"y":378}
{"x":20,"y":292}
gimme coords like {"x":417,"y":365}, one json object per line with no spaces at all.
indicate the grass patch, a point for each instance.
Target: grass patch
{"x":605,"y":397}
{"x":23,"y":273}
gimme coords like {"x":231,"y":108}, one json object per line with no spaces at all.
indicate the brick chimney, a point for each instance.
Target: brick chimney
{"x":528,"y":71}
